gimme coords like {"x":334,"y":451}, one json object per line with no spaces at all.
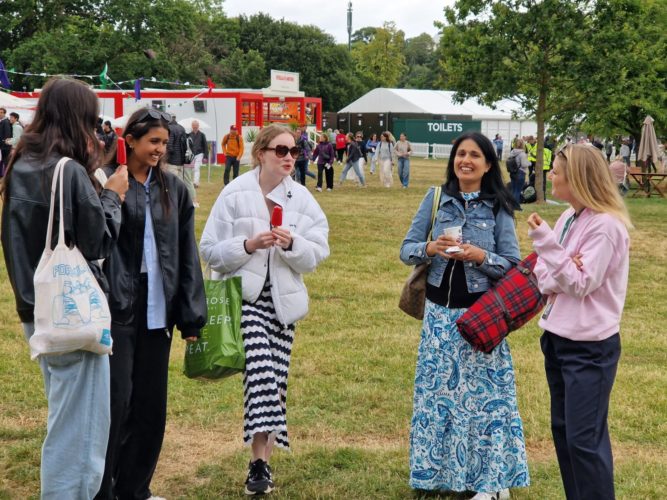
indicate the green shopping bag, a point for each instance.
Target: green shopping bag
{"x":219,"y":351}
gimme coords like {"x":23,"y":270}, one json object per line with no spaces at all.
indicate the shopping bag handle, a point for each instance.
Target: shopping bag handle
{"x":57,"y":178}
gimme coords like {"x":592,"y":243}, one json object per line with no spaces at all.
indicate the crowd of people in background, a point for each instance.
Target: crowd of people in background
{"x":523,"y":151}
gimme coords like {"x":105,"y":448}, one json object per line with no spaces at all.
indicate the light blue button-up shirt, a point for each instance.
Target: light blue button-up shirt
{"x":156,"y":310}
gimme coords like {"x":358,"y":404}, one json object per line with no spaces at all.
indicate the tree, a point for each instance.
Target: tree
{"x":243,"y":70}
{"x":363,"y":35}
{"x":381,"y":61}
{"x":517,"y":49}
{"x":421,"y":60}
{"x":627,"y":64}
{"x":79,"y":37}
{"x":325,"y":68}
{"x":596,"y":64}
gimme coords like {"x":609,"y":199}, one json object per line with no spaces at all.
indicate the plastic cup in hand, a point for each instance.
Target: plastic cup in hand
{"x":454,"y":232}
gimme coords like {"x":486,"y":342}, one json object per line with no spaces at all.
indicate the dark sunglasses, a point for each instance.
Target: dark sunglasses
{"x":281,"y":151}
{"x":562,"y":150}
{"x":154,"y":114}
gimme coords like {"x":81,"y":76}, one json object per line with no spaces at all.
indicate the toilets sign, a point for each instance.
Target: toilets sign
{"x":435,"y":131}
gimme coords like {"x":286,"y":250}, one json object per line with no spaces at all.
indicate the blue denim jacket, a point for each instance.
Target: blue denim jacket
{"x":494,"y":234}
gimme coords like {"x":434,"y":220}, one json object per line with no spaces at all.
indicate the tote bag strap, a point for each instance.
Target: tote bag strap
{"x":434,"y":209}
{"x":57,"y":178}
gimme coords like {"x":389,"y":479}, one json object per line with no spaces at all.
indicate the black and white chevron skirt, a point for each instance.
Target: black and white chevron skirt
{"x":268,"y":346}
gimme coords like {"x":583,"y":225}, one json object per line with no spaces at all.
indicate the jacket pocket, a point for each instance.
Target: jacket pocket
{"x":482,"y":233}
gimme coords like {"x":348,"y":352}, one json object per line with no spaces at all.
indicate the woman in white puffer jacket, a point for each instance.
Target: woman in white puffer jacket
{"x":238,"y":240}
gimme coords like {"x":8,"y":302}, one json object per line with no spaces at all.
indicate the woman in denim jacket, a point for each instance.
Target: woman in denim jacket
{"x":466,"y":432}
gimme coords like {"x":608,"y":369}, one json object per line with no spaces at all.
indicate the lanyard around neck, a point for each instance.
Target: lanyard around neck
{"x":568,"y":226}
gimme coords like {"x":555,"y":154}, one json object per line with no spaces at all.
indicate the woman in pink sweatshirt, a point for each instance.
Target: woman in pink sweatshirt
{"x":583,"y":269}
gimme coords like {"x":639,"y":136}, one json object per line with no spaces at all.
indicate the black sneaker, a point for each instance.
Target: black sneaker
{"x":269,"y":474}
{"x":259,"y":478}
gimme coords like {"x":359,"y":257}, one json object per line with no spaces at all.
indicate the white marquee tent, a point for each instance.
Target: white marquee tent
{"x":441,"y":102}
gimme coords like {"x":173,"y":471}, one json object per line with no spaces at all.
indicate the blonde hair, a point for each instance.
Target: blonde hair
{"x":264,"y":138}
{"x":591,"y":183}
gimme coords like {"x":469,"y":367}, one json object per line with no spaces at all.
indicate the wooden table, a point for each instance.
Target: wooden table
{"x":648,"y":184}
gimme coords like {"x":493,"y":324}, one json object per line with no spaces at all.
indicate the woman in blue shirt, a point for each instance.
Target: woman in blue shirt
{"x":466,"y":432}
{"x":155,"y":284}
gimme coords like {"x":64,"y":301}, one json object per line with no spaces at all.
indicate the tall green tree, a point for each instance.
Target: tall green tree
{"x":518,"y":49}
{"x":79,"y":37}
{"x":421,"y":61}
{"x":325,"y":67}
{"x":363,"y":35}
{"x":599,"y":65}
{"x":626,"y":60}
{"x":381,"y":61}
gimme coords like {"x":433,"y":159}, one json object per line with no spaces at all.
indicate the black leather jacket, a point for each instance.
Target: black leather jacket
{"x":177,"y":250}
{"x":92,"y":223}
{"x":176,"y":146}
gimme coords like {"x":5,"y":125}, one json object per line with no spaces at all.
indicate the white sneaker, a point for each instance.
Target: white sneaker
{"x":329,"y":189}
{"x":319,"y":189}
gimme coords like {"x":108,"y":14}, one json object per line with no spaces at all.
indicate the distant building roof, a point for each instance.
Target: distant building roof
{"x":431,"y":102}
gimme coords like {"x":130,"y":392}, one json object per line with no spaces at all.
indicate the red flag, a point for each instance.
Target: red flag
{"x":210,"y":85}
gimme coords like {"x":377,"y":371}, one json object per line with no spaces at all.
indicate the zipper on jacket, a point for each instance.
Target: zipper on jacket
{"x":273,"y":296}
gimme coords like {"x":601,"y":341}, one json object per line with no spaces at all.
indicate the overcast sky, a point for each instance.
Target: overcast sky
{"x":413,"y":16}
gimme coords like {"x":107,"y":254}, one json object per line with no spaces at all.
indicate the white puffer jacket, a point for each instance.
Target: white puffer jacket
{"x":240,"y":213}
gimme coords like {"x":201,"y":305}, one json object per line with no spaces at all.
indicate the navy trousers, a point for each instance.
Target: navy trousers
{"x":580,"y":377}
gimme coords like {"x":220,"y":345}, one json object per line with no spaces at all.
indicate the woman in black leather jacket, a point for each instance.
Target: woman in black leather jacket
{"x":76,"y":383}
{"x":156,"y":283}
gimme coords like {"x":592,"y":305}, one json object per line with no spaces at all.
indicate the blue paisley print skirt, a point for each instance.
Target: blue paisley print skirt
{"x":466,"y":432}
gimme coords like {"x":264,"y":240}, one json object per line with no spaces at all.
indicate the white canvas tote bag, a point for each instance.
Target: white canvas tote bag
{"x":71,"y":311}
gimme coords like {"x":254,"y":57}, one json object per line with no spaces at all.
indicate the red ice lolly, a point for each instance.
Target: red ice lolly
{"x":121,"y":153}
{"x":277,"y":216}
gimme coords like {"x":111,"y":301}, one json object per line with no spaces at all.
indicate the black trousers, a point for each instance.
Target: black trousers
{"x":139,"y":370}
{"x":580,"y":377}
{"x":231,"y":162}
{"x":328,"y":173}
{"x":301,"y":166}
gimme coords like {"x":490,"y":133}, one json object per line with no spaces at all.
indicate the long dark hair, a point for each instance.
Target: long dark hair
{"x":64,"y":124}
{"x":138,"y":125}
{"x":492,"y":181}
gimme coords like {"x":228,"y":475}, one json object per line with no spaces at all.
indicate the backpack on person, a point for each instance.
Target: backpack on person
{"x":512,"y":164}
{"x":528,"y":195}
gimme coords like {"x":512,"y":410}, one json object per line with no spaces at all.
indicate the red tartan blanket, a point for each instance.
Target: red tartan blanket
{"x":505,"y":307}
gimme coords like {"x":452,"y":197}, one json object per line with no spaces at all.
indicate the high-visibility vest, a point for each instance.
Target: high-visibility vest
{"x":531,"y":151}
{"x":547,"y":159}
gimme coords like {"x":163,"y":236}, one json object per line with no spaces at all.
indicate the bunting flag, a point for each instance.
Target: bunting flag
{"x":210,"y":85}
{"x":103,"y":77}
{"x":137,"y":90}
{"x":4,"y":79}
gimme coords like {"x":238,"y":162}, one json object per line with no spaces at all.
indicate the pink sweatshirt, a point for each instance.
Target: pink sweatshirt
{"x":587,"y":304}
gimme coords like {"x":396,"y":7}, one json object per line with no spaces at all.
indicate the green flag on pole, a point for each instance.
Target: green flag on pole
{"x":103,"y":77}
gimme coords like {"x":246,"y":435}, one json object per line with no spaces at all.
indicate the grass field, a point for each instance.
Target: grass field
{"x":351,"y":379}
